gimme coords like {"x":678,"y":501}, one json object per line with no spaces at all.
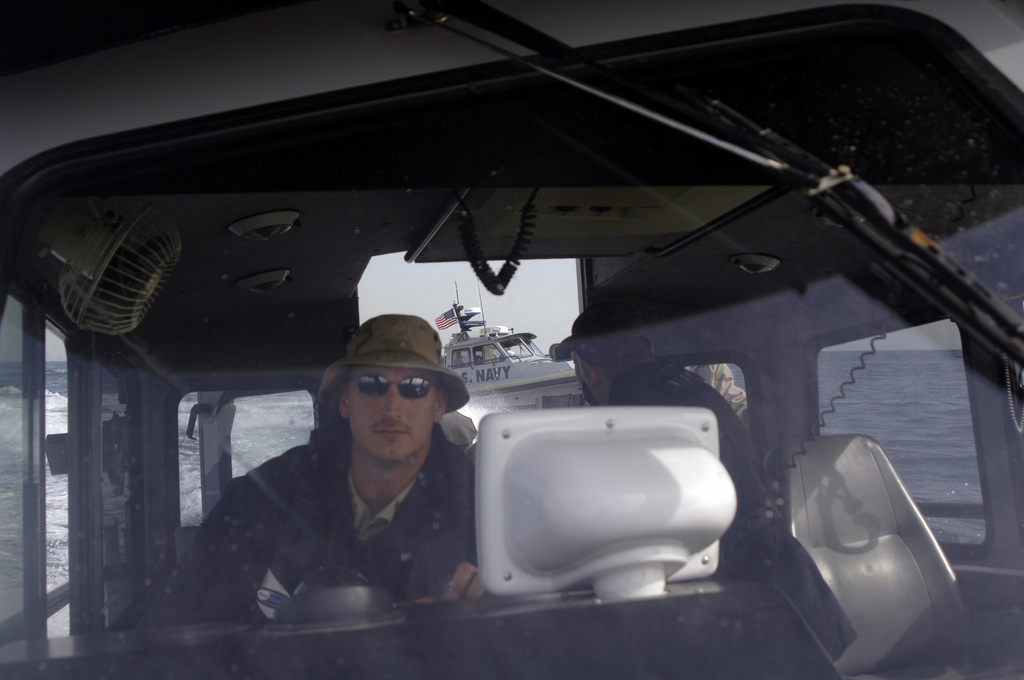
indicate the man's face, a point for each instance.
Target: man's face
{"x":390,"y":428}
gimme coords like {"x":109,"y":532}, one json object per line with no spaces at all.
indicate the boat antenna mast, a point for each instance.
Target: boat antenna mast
{"x":468,"y":318}
{"x":480,"y":301}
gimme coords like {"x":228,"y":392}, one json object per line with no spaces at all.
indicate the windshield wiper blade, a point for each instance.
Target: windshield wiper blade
{"x":723,"y":134}
{"x":910,"y":254}
{"x":712,"y":121}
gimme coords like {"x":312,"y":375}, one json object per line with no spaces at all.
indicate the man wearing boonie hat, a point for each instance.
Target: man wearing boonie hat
{"x":378,"y":491}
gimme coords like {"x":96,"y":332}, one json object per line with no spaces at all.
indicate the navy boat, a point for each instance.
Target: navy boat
{"x":507,"y":366}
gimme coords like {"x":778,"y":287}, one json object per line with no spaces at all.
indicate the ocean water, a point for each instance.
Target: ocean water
{"x":10,"y":497}
{"x":263,"y":427}
{"x":914,"y":403}
{"x":12,"y":465}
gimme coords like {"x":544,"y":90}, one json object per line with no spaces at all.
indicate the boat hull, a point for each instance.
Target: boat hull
{"x":527,"y":392}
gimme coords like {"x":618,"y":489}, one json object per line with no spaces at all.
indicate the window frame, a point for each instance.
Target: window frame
{"x":30,"y":621}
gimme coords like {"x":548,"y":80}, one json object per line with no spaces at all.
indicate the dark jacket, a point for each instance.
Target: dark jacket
{"x":293,"y":515}
{"x":757,"y":546}
{"x":669,"y":383}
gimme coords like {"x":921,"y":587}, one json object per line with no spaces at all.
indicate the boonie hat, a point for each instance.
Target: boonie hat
{"x":607,"y":333}
{"x":394,"y":340}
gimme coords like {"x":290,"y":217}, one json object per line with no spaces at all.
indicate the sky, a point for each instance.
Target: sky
{"x":541,"y":297}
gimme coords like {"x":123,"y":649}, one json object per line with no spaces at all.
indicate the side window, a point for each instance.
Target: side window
{"x":222,"y":436}
{"x":23,"y":555}
{"x":487,"y":354}
{"x":57,"y":559}
{"x":908,"y":390}
{"x":516,"y":348}
{"x":13,"y":446}
{"x":267,"y":426}
{"x":460,"y":358}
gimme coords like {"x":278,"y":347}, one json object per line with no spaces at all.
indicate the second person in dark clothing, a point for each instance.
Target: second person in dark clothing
{"x":616,"y":366}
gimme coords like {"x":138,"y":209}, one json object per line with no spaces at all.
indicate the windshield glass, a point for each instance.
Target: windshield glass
{"x":275,"y":424}
{"x":517,"y":348}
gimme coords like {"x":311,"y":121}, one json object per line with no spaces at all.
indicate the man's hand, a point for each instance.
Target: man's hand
{"x":465,"y":585}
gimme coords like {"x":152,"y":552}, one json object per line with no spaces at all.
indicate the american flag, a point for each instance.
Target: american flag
{"x":449,"y":318}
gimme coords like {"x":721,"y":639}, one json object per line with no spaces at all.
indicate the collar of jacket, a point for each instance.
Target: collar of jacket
{"x":321,"y":473}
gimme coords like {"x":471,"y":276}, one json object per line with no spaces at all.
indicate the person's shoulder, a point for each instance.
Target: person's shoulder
{"x":677,"y":368}
{"x":320,"y":458}
{"x":447,"y":461}
{"x":659,"y":382}
{"x":459,"y":429}
{"x":292,"y":460}
{"x":445,"y":482}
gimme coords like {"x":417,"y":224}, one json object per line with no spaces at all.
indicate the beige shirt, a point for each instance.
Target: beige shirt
{"x":721,"y":378}
{"x":368,"y":522}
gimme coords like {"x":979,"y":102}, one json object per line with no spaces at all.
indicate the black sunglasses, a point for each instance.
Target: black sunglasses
{"x":377,"y":386}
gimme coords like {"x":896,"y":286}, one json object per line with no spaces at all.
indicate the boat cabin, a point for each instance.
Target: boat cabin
{"x":818,"y":207}
{"x":497,"y":361}
{"x":494,"y":343}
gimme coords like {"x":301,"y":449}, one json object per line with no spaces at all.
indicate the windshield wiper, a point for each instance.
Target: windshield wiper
{"x":909,"y":253}
{"x":718,"y":123}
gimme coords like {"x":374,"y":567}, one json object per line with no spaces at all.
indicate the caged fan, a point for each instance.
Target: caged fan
{"x":115,"y":260}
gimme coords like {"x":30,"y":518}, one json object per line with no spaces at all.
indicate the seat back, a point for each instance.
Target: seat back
{"x":850,"y":510}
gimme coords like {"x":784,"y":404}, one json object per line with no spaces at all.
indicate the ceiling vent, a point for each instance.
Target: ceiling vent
{"x":755,"y":264}
{"x":264,"y":281}
{"x":265,"y":226}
